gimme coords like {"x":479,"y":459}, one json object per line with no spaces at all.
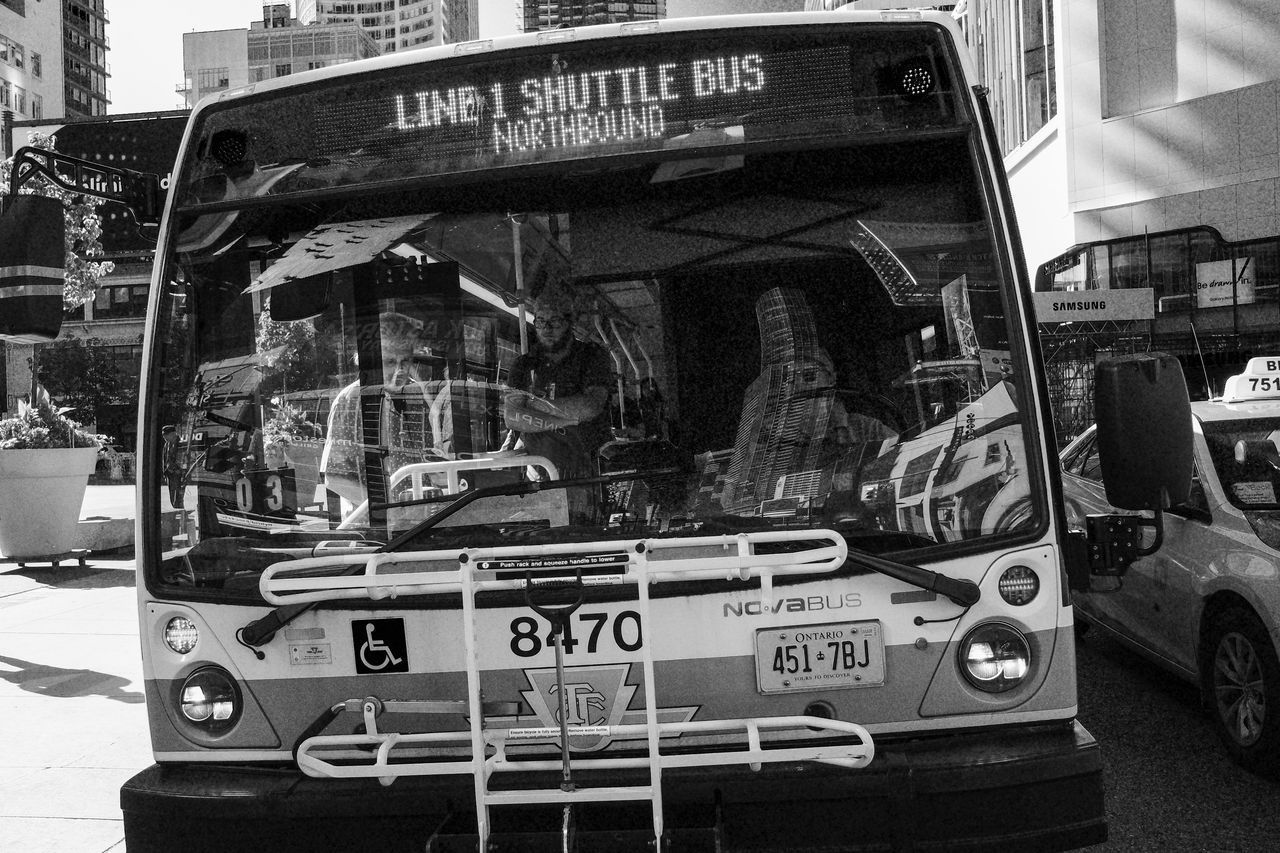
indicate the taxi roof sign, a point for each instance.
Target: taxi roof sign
{"x":1260,"y":381}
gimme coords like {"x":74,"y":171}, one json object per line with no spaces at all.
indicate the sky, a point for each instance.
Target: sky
{"x":146,"y":43}
{"x":146,"y":38}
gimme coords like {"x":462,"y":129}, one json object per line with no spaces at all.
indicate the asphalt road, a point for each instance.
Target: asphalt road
{"x":1170,"y":785}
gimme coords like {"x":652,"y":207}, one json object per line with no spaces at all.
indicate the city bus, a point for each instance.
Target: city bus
{"x":626,"y":437}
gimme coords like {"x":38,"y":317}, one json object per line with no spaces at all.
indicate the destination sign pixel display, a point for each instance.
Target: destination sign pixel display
{"x":563,"y":109}
{"x":583,"y":103}
{"x":621,"y":96}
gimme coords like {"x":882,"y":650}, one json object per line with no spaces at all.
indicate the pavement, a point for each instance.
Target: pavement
{"x":73,"y":724}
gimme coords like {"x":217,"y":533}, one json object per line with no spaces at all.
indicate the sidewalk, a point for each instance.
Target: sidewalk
{"x":73,"y":726}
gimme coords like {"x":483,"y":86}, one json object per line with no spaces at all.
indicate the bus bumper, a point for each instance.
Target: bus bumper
{"x":1035,"y":788}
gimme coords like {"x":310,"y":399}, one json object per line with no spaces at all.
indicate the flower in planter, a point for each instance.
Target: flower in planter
{"x":38,"y":425}
{"x":289,"y":423}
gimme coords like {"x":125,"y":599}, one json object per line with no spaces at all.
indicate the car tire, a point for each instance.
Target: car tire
{"x":1242,"y":684}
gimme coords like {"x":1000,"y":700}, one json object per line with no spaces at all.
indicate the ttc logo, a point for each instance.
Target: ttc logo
{"x":581,"y":699}
{"x":596,"y":696}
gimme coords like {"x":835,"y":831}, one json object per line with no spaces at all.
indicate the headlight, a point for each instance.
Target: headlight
{"x":995,"y":657}
{"x":210,"y":699}
{"x":181,"y":634}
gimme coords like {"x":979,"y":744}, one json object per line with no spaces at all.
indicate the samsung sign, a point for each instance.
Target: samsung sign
{"x":1095,"y":306}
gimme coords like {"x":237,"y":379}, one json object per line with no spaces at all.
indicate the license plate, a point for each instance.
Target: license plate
{"x":820,"y":657}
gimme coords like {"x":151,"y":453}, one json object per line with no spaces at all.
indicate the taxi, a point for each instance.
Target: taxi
{"x":1205,"y":604}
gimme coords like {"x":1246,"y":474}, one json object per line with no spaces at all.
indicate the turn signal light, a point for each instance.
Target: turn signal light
{"x":1018,"y":585}
{"x":181,"y":634}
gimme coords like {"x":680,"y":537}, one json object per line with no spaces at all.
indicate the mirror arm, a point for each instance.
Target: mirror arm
{"x":1156,"y":523}
{"x":138,"y":191}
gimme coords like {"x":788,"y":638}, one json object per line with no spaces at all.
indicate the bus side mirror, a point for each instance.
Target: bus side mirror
{"x":32,"y":262}
{"x":1144,"y":450}
{"x":1144,"y":431}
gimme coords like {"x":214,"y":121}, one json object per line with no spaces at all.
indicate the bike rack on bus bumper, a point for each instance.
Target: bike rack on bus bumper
{"x":648,"y":561}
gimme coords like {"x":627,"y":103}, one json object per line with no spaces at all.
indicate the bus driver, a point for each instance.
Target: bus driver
{"x":559,"y":398}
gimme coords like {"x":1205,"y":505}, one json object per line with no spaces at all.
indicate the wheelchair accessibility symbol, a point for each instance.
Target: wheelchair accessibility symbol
{"x":380,"y":646}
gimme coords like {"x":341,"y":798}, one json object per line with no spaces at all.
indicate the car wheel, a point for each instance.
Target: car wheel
{"x":1243,"y":684}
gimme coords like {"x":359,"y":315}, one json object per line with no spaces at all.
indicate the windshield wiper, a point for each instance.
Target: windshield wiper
{"x":963,"y":592}
{"x":259,"y":632}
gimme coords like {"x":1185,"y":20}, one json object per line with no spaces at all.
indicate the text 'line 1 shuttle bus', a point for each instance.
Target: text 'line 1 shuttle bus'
{"x":620,"y":437}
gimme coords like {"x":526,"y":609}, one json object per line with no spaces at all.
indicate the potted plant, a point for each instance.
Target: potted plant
{"x":291,"y":439}
{"x":45,"y":462}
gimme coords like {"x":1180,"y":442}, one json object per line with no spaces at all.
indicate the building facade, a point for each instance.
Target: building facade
{"x":31,"y":71}
{"x":1157,"y":177}
{"x":554,"y":14}
{"x":398,"y":25}
{"x":691,"y":8}
{"x":277,"y":45}
{"x":84,"y":47}
{"x":1142,"y":143}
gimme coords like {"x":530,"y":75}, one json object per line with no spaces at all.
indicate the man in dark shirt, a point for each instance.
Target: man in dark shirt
{"x":559,"y":399}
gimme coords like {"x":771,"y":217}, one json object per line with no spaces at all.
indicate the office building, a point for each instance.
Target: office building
{"x":398,"y":25}
{"x":555,"y":14}
{"x":1143,"y":155}
{"x":1157,"y":180}
{"x":277,"y":45}
{"x":30,"y":69}
{"x":84,"y":57}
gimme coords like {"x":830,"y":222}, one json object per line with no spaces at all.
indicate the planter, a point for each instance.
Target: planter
{"x":40,"y":496}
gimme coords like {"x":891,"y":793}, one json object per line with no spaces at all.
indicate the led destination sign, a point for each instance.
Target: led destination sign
{"x":562,"y":110}
{"x":623,"y":96}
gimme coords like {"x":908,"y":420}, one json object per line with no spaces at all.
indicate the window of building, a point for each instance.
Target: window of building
{"x":20,"y":100}
{"x":37,"y":67}
{"x":127,"y":360}
{"x":116,"y":302}
{"x":1039,"y":91}
{"x":209,"y":79}
{"x":37,"y":106}
{"x":283,"y":69}
{"x":1015,"y":51}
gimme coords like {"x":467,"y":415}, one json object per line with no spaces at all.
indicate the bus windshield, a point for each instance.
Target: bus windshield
{"x":799,"y":332}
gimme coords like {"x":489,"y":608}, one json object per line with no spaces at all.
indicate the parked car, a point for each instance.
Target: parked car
{"x":1206,"y":603}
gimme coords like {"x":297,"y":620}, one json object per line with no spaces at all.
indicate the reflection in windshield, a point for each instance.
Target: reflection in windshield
{"x":789,"y":341}
{"x":1246,"y":455}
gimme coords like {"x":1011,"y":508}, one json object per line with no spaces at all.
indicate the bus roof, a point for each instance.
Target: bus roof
{"x":550,"y":38}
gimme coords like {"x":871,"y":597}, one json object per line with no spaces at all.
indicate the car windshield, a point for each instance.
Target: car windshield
{"x":780,"y":339}
{"x":1246,"y":456}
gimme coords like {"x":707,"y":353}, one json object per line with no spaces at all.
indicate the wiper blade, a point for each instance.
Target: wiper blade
{"x":259,"y":632}
{"x":963,"y":592}
{"x":522,"y":488}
